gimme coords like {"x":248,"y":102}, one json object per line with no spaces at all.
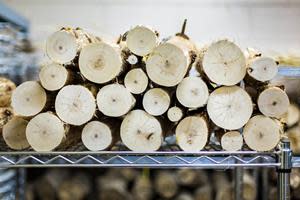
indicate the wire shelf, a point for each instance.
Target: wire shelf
{"x":176,"y":159}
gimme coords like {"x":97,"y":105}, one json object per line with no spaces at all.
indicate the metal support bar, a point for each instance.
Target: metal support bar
{"x":284,"y":170}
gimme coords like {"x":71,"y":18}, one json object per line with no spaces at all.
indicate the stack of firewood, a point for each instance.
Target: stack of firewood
{"x":141,"y":89}
{"x":132,"y":184}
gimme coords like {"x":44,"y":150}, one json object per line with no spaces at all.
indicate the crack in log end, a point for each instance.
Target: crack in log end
{"x":260,"y":135}
{"x":149,"y":136}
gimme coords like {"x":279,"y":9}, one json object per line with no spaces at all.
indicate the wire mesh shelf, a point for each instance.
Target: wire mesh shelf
{"x":176,"y":159}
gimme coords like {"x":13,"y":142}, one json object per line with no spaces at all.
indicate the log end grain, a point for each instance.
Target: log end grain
{"x":136,"y":81}
{"x":232,"y":141}
{"x":156,"y":101}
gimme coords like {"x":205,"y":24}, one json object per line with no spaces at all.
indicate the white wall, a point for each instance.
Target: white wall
{"x":271,"y":26}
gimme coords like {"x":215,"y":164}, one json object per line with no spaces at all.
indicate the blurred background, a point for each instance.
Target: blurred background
{"x":271,"y":26}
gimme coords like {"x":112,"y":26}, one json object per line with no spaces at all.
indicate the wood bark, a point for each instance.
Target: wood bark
{"x":141,"y":132}
{"x":223,"y":62}
{"x":75,"y":104}
{"x":192,"y":133}
{"x":273,"y":102}
{"x":114,"y":100}
{"x":6,"y":113}
{"x":14,"y":133}
{"x":6,"y":89}
{"x":192,"y":92}
{"x":28,"y":99}
{"x":229,"y":107}
{"x":262,"y":133}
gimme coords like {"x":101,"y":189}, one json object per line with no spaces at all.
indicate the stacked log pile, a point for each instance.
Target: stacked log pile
{"x":142,"y":89}
{"x":133,"y":184}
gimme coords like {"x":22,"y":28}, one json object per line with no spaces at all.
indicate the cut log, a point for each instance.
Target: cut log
{"x":142,"y":188}
{"x":249,"y":187}
{"x":204,"y":193}
{"x":168,"y":64}
{"x":6,"y":89}
{"x":141,"y":131}
{"x":294,"y":136}
{"x":292,"y":116}
{"x":184,"y":196}
{"x":45,"y":132}
{"x":132,"y":59}
{"x":229,"y":107}
{"x":115,"y":100}
{"x":165,"y":184}
{"x":75,"y":188}
{"x":64,"y":45}
{"x":136,"y":81}
{"x":141,"y":40}
{"x":262,"y":69}
{"x":14,"y":133}
{"x":54,"y":76}
{"x":273,"y":102}
{"x":224,"y":188}
{"x":223,"y":63}
{"x":28,"y":99}
{"x":192,"y":92}
{"x":6,"y":113}
{"x":100,"y":62}
{"x":191,"y":178}
{"x":262,"y":133}
{"x":175,"y":114}
{"x":75,"y":104}
{"x":111,"y":187}
{"x":156,"y":101}
{"x":192,"y":133}
{"x":97,"y":136}
{"x":232,"y":141}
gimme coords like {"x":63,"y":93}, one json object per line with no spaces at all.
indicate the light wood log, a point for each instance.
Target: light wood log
{"x":115,"y":100}
{"x":141,"y":131}
{"x":141,"y":40}
{"x":192,"y":92}
{"x":294,"y":137}
{"x":142,"y":188}
{"x":224,"y":187}
{"x":156,"y":101}
{"x":262,"y":133}
{"x":75,"y":104}
{"x":192,"y":178}
{"x":249,"y":187}
{"x":292,"y":116}
{"x":6,"y":89}
{"x":136,"y":81}
{"x":174,"y":114}
{"x":75,"y":188}
{"x":54,"y":76}
{"x":45,"y":132}
{"x":168,"y":64}
{"x":6,"y":113}
{"x":273,"y":102}
{"x":98,"y":135}
{"x":223,"y":63}
{"x":28,"y":99}
{"x":165,"y":184}
{"x":64,"y":45}
{"x":111,"y":187}
{"x":262,"y":69}
{"x":100,"y":62}
{"x":192,"y":133}
{"x":229,"y":107}
{"x":204,"y":193}
{"x":232,"y":141}
{"x":14,"y":133}
{"x":184,"y":196}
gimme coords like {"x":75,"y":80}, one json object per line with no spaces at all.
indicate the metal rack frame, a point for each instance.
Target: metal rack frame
{"x":282,"y":160}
